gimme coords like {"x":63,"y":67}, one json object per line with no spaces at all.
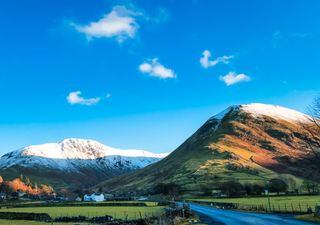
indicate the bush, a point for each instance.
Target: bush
{"x":232,"y":188}
{"x":25,"y":216}
{"x":277,"y":185}
{"x":171,"y":189}
{"x":101,"y":219}
{"x":257,"y":189}
{"x":71,"y":219}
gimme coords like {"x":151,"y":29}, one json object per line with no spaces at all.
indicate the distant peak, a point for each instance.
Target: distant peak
{"x":75,"y":148}
{"x":77,"y":140}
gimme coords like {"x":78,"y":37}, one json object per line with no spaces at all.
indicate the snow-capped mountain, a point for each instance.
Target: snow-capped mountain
{"x":250,"y":143}
{"x":77,"y":157}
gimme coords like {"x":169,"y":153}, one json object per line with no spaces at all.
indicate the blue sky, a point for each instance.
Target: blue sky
{"x":147,"y":74}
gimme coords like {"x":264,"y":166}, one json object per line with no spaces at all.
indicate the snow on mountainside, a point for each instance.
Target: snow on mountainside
{"x":274,"y":111}
{"x":75,"y":154}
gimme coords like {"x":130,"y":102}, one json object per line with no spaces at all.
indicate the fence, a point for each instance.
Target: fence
{"x":71,"y":204}
{"x":295,"y":208}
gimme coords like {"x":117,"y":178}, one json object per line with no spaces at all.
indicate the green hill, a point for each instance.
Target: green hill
{"x":244,"y":143}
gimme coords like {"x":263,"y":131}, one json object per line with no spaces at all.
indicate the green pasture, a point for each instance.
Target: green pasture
{"x":24,"y":222}
{"x":309,"y":218}
{"x":118,"y":212}
{"x":44,"y":204}
{"x":278,"y":203}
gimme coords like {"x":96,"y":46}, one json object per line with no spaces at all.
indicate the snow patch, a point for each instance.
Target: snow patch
{"x":259,"y":109}
{"x":275,"y":111}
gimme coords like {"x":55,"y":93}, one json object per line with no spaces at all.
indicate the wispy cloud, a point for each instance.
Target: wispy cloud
{"x":280,"y":38}
{"x":161,"y":15}
{"x":232,"y":78}
{"x":119,"y":23}
{"x":206,"y":62}
{"x":76,"y":98}
{"x":301,"y":35}
{"x":156,"y":69}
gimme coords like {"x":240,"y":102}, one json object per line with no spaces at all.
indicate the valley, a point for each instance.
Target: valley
{"x":143,"y":112}
{"x":253,"y":157}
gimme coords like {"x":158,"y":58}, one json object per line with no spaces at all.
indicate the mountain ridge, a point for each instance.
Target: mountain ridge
{"x":72,"y":144}
{"x":89,"y":160}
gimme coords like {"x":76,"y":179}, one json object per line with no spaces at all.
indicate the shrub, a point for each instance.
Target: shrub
{"x":277,"y":185}
{"x":167,"y":189}
{"x":232,"y":188}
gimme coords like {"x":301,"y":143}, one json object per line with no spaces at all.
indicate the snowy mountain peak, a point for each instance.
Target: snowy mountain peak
{"x":74,"y":148}
{"x":273,"y":111}
{"x":79,"y":155}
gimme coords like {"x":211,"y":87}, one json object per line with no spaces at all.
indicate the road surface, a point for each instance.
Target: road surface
{"x":231,"y":217}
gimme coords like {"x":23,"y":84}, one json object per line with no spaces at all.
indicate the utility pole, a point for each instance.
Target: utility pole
{"x":266,"y":191}
{"x":269,"y":201}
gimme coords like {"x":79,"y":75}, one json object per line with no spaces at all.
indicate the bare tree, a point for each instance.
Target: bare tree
{"x":313,"y":128}
{"x":314,"y":110}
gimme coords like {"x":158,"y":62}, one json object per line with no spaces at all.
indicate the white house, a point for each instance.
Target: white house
{"x":94,"y":198}
{"x":3,"y":196}
{"x":21,"y":194}
{"x":142,"y":198}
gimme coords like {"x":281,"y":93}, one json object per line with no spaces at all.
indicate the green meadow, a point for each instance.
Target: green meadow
{"x":24,"y":222}
{"x":118,"y":212}
{"x":284,"y":203}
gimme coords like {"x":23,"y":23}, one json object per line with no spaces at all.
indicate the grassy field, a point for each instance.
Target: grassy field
{"x":24,"y":222}
{"x":44,"y":203}
{"x":118,"y":212}
{"x":114,"y":202}
{"x":284,"y":203}
{"x":309,"y":218}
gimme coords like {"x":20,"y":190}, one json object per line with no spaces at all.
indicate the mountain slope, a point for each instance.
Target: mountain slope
{"x":249,"y":143}
{"x":73,"y":162}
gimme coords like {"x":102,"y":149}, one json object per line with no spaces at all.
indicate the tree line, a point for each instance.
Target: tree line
{"x":24,"y":185}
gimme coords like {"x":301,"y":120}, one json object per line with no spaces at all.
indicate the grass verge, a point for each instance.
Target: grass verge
{"x":309,"y":218}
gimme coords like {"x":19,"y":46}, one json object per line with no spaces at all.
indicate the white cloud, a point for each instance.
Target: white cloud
{"x":156,"y":69}
{"x":119,"y":23}
{"x":75,"y":98}
{"x":233,"y":78}
{"x":206,"y":63}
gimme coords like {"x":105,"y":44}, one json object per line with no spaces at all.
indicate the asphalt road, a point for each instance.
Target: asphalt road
{"x":231,"y":217}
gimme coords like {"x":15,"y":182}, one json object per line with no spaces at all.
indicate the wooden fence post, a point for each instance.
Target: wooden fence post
{"x":285,"y":207}
{"x":300,"y":207}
